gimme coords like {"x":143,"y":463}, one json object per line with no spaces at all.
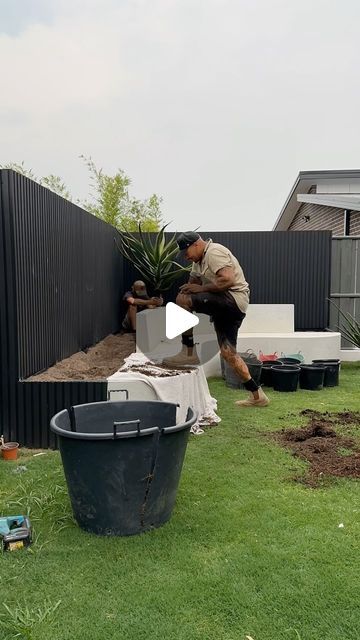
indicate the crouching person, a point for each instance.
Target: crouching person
{"x":137,"y":299}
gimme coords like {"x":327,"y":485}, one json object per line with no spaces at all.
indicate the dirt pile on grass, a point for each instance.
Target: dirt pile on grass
{"x":329,"y":453}
{"x":344,"y":417}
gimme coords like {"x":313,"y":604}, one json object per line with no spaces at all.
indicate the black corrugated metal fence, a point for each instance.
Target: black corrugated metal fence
{"x":60,"y":288}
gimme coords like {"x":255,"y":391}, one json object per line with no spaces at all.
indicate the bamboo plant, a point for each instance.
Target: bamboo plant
{"x":152,"y":257}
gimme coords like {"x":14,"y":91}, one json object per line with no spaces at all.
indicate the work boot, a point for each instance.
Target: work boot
{"x":187,"y":357}
{"x":251,"y":401}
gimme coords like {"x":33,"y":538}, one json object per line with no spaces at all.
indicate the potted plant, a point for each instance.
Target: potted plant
{"x":152,"y":257}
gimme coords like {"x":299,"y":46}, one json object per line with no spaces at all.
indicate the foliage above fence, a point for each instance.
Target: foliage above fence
{"x":109,"y":197}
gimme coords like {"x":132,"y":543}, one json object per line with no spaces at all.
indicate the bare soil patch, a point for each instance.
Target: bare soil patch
{"x":328,"y":452}
{"x":96,"y":363}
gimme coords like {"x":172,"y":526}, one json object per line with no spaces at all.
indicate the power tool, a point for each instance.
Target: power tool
{"x":15,"y":532}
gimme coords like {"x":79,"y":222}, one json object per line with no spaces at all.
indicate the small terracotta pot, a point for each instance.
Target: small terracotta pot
{"x":9,"y":450}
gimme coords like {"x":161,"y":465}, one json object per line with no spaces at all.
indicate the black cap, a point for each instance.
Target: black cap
{"x":186,"y":239}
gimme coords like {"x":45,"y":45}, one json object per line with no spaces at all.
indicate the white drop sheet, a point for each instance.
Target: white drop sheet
{"x":187,"y":389}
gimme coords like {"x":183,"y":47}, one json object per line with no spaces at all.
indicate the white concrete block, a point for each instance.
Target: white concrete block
{"x":272,"y":331}
{"x":205,"y":327}
{"x":120,"y":387}
{"x":150,"y":329}
{"x":269,"y":318}
{"x":350,"y":355}
{"x":312,"y":344}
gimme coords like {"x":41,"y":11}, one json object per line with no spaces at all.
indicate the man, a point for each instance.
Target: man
{"x":216,"y":287}
{"x":138,"y":300}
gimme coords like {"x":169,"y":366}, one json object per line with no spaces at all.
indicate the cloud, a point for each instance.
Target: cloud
{"x":214,"y":104}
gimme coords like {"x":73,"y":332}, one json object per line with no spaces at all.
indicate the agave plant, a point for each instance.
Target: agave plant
{"x":350,"y":327}
{"x":153,"y":258}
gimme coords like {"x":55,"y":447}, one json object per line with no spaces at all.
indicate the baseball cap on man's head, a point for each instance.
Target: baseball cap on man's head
{"x":186,"y":239}
{"x":139,"y":285}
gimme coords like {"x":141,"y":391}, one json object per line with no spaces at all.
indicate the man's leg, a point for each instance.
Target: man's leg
{"x":227,"y":339}
{"x":187,"y":355}
{"x":131,"y":314}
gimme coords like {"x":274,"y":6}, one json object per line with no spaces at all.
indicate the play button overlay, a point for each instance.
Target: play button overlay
{"x":158,"y":333}
{"x":178,"y":320}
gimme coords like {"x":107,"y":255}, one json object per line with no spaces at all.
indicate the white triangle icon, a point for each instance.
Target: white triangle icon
{"x":178,"y":320}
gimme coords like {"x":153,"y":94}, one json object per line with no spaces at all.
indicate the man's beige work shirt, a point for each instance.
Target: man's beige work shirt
{"x":216,"y":257}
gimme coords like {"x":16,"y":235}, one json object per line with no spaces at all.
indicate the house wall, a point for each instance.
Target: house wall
{"x":327,"y":218}
{"x":321,"y":218}
{"x":355,"y":223}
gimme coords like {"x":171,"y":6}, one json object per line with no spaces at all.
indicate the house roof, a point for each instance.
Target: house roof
{"x":300,"y":189}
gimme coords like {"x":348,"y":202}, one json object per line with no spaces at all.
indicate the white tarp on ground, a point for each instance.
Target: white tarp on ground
{"x":186,"y":388}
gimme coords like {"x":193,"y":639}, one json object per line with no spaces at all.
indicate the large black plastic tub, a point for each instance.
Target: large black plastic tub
{"x":332,"y":368}
{"x":266,"y":378}
{"x":285,"y":377}
{"x":311,"y":377}
{"x":122,"y":463}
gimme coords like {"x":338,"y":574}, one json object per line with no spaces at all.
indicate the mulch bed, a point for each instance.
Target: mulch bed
{"x":94,"y":364}
{"x":99,"y":362}
{"x":328,"y":452}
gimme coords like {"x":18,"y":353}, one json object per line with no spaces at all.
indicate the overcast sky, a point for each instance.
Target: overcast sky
{"x":215,"y":105}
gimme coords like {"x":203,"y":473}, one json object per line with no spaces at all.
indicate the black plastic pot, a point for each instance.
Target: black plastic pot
{"x":266,"y":372}
{"x":289,"y":361}
{"x":285,"y":378}
{"x":122,"y":463}
{"x":332,"y":369}
{"x":234,"y":381}
{"x":311,"y":377}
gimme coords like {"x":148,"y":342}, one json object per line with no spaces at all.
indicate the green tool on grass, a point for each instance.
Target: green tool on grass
{"x":15,"y":532}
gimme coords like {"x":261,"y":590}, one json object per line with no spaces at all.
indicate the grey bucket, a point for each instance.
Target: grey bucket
{"x":231,"y":377}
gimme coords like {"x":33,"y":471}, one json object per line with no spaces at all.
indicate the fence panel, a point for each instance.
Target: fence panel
{"x":67,"y":274}
{"x":345,"y":282}
{"x":60,"y":287}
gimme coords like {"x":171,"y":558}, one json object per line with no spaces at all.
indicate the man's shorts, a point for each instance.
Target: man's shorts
{"x":224,"y":312}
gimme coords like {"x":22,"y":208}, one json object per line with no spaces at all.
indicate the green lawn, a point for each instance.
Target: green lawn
{"x":248,"y":551}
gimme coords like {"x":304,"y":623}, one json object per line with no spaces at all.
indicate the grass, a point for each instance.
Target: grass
{"x":248,"y":551}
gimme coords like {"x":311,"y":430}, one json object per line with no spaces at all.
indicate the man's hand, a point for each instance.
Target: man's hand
{"x":191,"y":288}
{"x":157,"y":301}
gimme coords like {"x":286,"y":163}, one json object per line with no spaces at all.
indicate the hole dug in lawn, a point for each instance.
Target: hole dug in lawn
{"x":328,"y":452}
